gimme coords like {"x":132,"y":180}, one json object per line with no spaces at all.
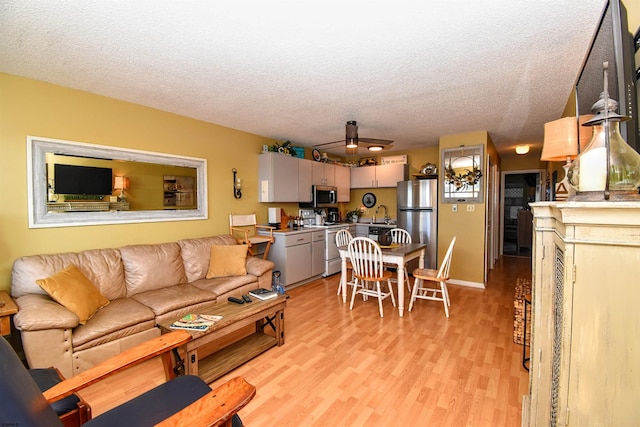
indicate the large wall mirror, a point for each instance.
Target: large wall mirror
{"x":98,"y":184}
{"x":462,"y":174}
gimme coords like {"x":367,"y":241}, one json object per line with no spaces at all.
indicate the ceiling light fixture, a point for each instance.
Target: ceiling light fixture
{"x":352,"y":134}
{"x":376,"y":148}
{"x":522,"y":149}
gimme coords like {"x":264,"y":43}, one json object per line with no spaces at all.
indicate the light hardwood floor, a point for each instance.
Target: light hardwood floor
{"x":353,"y":368}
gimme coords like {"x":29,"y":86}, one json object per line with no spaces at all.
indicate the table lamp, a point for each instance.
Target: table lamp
{"x":564,"y":139}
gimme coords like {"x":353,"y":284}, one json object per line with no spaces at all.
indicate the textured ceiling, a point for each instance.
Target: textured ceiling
{"x":410,"y":72}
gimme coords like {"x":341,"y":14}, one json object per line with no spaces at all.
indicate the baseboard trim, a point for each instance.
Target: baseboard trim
{"x":466,"y":283}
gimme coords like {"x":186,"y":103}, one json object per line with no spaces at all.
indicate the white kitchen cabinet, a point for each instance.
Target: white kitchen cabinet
{"x":323,"y":173}
{"x":343,"y":183}
{"x":317,"y":252}
{"x":283,"y":179}
{"x":298,"y":255}
{"x":585,"y":345}
{"x":379,"y":176}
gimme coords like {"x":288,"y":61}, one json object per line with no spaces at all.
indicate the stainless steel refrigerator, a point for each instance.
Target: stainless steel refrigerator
{"x":418,"y":214}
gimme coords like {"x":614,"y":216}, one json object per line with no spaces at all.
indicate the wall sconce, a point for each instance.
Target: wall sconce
{"x":121,"y":183}
{"x":522,"y":149}
{"x":608,"y":169}
{"x":237,"y":185}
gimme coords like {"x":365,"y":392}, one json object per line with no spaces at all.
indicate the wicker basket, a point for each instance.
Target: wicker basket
{"x":523,"y":287}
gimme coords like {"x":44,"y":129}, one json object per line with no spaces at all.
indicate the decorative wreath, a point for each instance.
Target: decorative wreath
{"x":463,"y":180}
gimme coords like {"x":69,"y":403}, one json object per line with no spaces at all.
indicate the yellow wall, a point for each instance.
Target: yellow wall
{"x":468,"y":227}
{"x":29,"y":107}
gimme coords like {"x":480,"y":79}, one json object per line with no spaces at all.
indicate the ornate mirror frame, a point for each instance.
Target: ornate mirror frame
{"x":462,"y":173}
{"x":40,"y":217}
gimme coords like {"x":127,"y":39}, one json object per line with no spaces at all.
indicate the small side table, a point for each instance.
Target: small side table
{"x":525,"y":359}
{"x":7,"y":309}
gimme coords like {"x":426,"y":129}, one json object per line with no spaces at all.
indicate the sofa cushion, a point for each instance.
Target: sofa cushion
{"x":74,"y":291}
{"x":227,"y":260}
{"x":173,"y":298}
{"x":120,"y":314}
{"x":222,"y":285}
{"x":150,"y":267}
{"x":102,"y":266}
{"x":196,"y":254}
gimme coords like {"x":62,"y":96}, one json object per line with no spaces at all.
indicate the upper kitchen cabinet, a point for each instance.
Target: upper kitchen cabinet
{"x":343,"y":181}
{"x":283,"y":178}
{"x":379,"y":176}
{"x":323,"y":174}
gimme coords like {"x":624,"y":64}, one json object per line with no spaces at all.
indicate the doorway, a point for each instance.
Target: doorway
{"x":519,"y":188}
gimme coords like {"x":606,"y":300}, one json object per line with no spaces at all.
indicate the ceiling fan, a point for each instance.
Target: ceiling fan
{"x":352,"y":141}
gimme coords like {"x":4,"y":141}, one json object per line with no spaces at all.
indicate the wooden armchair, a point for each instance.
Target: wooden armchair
{"x":244,"y":228}
{"x":182,"y":400}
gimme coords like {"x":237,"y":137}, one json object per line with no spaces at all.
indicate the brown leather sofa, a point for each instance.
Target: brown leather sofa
{"x":145,"y":284}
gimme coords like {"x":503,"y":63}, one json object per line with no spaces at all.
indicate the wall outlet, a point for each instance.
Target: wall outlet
{"x":454,"y":208}
{"x":471,"y":208}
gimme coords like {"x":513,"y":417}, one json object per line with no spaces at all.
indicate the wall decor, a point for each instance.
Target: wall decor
{"x":369,"y":200}
{"x":462,"y":174}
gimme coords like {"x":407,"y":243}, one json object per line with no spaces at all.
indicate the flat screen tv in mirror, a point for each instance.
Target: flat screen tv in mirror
{"x":82,"y":180}
{"x":612,"y":43}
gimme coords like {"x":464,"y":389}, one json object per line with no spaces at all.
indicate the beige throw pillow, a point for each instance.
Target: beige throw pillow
{"x":227,"y":260}
{"x":75,"y":291}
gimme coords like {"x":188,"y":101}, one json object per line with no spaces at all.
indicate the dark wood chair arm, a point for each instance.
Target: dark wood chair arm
{"x":215,"y":408}
{"x":140,"y":353}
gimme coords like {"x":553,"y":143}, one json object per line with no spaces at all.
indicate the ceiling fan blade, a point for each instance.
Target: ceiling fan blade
{"x":375,"y":141}
{"x":329,"y":143}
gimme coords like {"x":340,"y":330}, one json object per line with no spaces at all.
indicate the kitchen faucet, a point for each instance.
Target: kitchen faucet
{"x":386,"y":213}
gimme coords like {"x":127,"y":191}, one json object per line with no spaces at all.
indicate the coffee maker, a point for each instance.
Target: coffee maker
{"x":333,"y":215}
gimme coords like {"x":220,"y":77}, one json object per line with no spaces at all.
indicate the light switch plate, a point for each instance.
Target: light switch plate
{"x":454,"y":208}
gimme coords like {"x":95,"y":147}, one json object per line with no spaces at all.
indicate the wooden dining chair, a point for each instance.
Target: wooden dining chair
{"x":366,"y":259}
{"x":244,"y":228}
{"x":422,"y":276}
{"x":343,"y":237}
{"x":400,"y":235}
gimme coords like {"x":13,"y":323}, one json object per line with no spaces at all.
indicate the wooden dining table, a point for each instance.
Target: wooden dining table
{"x":398,"y":255}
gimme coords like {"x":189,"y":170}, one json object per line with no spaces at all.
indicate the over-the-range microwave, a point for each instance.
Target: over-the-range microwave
{"x":324,"y":196}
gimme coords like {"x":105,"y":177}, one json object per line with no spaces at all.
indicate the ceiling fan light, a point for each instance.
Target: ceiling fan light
{"x":351,"y":136}
{"x":376,"y":148}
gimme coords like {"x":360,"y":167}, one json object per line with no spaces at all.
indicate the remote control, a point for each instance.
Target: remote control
{"x":236,"y":300}
{"x":246,"y":298}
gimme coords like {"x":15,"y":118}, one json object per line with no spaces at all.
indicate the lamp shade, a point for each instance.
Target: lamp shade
{"x":120,"y":183}
{"x":561,"y":138}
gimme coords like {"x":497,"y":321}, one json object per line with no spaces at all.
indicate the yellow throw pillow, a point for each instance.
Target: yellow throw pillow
{"x":75,"y":291}
{"x":227,"y":260}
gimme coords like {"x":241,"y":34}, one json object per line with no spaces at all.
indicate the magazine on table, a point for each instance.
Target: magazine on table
{"x":263,"y":294}
{"x":195,"y":322}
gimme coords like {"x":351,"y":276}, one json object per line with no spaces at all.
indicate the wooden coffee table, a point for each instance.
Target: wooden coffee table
{"x":268,"y":320}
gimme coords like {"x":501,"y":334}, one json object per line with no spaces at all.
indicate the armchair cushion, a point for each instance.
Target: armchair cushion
{"x":227,"y":260}
{"x":145,"y":411}
{"x":73,"y":290}
{"x":47,"y":378}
